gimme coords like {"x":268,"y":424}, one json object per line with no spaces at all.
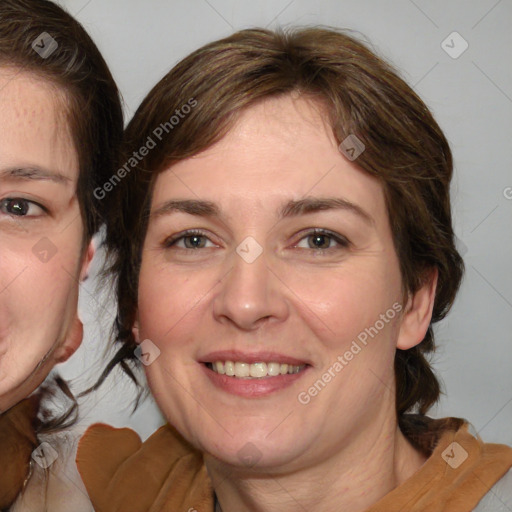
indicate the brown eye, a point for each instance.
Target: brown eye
{"x":319,"y":241}
{"x":322,"y":240}
{"x":189,"y":240}
{"x":20,"y":207}
{"x":194,"y":241}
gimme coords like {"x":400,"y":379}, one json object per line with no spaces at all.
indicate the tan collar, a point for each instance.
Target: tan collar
{"x":460,"y":471}
{"x":166,"y":474}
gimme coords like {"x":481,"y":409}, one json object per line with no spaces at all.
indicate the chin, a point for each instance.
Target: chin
{"x":252,"y":450}
{"x":251,"y":458}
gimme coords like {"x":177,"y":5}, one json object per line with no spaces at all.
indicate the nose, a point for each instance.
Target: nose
{"x":251,"y":294}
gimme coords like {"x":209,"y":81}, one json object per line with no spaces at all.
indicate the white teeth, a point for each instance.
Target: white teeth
{"x":242,"y":369}
{"x":254,"y":370}
{"x":273,"y":369}
{"x":229,"y":368}
{"x":258,"y":370}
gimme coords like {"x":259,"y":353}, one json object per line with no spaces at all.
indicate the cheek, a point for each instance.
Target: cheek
{"x":339,"y":304}
{"x":39,"y":283}
{"x":41,"y":301}
{"x":39,"y":271}
{"x":35,"y":315}
{"x":54,"y":272}
{"x":169,"y":300}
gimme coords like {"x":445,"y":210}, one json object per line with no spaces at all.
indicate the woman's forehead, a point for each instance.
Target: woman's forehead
{"x":280,"y":149}
{"x":35,"y":126}
{"x":288,"y":119}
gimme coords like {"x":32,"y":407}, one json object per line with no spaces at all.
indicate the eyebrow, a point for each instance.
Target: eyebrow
{"x":190,"y":206}
{"x":290,"y":209}
{"x":33,"y":173}
{"x":317,"y":204}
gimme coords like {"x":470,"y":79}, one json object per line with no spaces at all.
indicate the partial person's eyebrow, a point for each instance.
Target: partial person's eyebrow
{"x":290,"y":209}
{"x":190,"y":206}
{"x":317,"y":204}
{"x":33,"y":173}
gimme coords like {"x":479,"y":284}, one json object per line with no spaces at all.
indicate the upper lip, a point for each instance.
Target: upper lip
{"x":251,"y":357}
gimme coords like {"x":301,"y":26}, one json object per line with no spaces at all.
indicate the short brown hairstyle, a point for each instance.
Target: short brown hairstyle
{"x":405,"y":150}
{"x":77,"y":68}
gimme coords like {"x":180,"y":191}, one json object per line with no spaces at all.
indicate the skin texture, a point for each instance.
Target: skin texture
{"x":342,"y":450}
{"x":41,"y":235}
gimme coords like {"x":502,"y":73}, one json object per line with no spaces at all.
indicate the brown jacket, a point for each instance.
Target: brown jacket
{"x":17,"y":441}
{"x":165,"y":474}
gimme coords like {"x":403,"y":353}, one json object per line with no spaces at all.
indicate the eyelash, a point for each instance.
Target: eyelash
{"x":342,"y":242}
{"x":174,"y":239}
{"x":5,"y":201}
{"x":339,"y":239}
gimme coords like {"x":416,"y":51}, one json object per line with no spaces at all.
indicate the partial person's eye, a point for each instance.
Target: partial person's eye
{"x":19,"y":207}
{"x":322,"y":239}
{"x":190,"y":239}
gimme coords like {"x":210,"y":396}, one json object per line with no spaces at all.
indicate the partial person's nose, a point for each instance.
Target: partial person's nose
{"x":251,"y":293}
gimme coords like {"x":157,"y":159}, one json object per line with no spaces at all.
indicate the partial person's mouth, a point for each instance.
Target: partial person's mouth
{"x":260,"y":370}
{"x":253,"y":375}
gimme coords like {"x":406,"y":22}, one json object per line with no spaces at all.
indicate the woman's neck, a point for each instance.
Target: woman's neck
{"x":379,"y":459}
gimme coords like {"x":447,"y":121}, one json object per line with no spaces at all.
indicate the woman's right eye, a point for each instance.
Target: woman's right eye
{"x":20,"y":207}
{"x":189,"y":240}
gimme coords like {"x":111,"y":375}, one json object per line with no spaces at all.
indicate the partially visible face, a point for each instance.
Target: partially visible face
{"x":270,"y":254}
{"x":41,"y":235}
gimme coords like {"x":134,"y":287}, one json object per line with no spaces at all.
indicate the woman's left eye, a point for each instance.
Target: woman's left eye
{"x":322,"y":240}
{"x":190,"y":240}
{"x":19,"y":207}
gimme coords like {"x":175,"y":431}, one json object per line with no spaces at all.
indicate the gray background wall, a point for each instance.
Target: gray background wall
{"x":470,"y":94}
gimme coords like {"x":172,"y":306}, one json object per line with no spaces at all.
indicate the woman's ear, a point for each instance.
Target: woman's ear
{"x":71,"y":343}
{"x":76,"y":331}
{"x":418,"y":313}
{"x":135,"y":331}
{"x":87,"y":259}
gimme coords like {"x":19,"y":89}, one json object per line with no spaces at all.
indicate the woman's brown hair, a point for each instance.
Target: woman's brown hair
{"x":364,"y":97}
{"x":75,"y":66}
{"x":40,"y":38}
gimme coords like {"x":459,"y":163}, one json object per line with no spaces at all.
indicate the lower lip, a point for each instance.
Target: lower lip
{"x":252,"y":388}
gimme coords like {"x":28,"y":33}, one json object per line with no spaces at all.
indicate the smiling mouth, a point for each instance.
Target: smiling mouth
{"x":240,"y":370}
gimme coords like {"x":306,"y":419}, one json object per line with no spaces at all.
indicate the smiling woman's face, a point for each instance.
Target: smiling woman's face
{"x":41,"y":235}
{"x":289,"y":258}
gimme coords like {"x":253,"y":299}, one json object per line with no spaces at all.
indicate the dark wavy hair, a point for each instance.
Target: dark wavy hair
{"x":405,"y":150}
{"x":77,"y":68}
{"x":93,"y":110}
